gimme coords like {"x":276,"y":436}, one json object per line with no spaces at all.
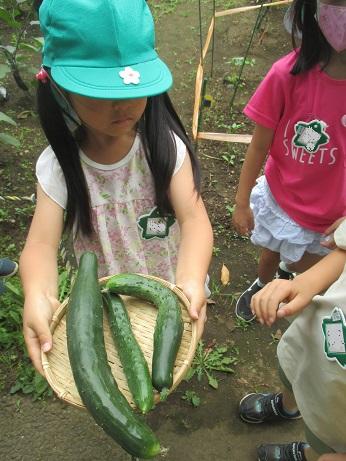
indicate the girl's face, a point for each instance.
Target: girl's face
{"x":108,"y":116}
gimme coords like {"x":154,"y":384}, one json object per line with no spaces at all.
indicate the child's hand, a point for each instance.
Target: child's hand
{"x":265,"y":304}
{"x":38,"y":314}
{"x":328,"y":240}
{"x":333,"y":457}
{"x":243,"y":220}
{"x":195,"y":293}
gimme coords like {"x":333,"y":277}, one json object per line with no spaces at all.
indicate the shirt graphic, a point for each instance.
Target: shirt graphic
{"x":311,"y":135}
{"x":334,"y":330}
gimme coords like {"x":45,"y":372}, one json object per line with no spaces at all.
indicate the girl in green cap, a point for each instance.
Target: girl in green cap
{"x":119,"y":171}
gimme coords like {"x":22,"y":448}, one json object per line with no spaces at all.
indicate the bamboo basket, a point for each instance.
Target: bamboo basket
{"x":56,"y":364}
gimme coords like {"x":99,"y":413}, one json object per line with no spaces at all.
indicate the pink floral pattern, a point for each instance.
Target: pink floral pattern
{"x":119,"y":197}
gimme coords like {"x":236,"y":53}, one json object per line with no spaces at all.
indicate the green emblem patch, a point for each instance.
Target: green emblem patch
{"x":334,"y":330}
{"x":311,"y":135}
{"x":153,"y":225}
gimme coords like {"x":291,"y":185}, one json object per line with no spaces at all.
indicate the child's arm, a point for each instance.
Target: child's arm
{"x":39,"y":274}
{"x":329,"y":242}
{"x":254,"y":160}
{"x":298,"y":292}
{"x":333,"y":457}
{"x":196,"y":243}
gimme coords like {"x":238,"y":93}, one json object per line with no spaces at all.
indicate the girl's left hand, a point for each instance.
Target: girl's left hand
{"x":195,"y":293}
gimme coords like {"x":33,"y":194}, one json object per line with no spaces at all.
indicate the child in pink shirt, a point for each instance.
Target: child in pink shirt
{"x":300,"y":114}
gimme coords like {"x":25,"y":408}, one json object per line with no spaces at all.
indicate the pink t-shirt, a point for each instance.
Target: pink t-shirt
{"x":306,"y":166}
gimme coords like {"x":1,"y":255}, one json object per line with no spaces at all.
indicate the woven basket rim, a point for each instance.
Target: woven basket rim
{"x":64,"y":394}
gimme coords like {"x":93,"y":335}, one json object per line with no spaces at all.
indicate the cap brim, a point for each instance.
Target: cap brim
{"x":106,"y":83}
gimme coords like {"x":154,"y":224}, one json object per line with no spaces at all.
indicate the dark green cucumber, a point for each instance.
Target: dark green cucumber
{"x":92,"y":374}
{"x":131,"y":356}
{"x":169,"y":324}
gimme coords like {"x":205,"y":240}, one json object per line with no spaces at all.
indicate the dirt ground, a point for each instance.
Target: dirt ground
{"x":51,"y":430}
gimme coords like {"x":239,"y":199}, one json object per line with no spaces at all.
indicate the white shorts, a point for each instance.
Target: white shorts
{"x":276,"y":231}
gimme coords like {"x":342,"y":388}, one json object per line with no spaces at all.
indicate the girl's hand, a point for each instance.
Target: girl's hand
{"x":328,"y":241}
{"x":265,"y":304}
{"x":37,"y":317}
{"x":243,"y":220}
{"x":195,"y":293}
{"x":333,"y":457}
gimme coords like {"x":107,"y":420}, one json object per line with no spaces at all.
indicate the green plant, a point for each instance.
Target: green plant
{"x":17,"y":16}
{"x":239,"y":61}
{"x":230,"y":209}
{"x":14,"y":359}
{"x":229,"y":158}
{"x":234,"y":80}
{"x":216,"y":250}
{"x":162,"y":7}
{"x":242,"y":324}
{"x":65,"y":281}
{"x":12,"y":302}
{"x":215,"y":287}
{"x":6,"y":138}
{"x":233,"y":297}
{"x":210,"y":359}
{"x":28,"y":381}
{"x":192,"y":398}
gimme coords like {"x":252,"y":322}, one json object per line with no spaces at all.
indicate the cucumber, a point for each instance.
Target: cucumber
{"x":169,"y":324}
{"x":131,"y":356}
{"x":92,"y":374}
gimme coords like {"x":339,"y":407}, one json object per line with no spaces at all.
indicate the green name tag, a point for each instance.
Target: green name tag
{"x":153,"y":225}
{"x":334,"y":330}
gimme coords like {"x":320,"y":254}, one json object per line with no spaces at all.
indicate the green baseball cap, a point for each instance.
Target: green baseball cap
{"x":103,"y":48}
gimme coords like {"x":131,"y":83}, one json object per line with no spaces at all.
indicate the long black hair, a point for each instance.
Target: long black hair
{"x":314,"y":47}
{"x":156,"y":128}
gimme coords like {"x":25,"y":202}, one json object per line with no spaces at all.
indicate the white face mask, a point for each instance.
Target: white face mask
{"x":332,"y":22}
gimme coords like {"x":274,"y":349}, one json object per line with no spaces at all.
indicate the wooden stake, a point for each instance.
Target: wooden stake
{"x":249,"y":8}
{"x":226,"y":137}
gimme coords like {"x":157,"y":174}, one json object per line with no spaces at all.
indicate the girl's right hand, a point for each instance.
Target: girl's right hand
{"x":243,"y":220}
{"x":37,"y":317}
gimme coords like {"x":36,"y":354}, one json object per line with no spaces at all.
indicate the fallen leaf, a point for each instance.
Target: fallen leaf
{"x":225,"y":275}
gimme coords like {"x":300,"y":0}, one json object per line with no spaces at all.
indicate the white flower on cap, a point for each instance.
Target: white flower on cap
{"x":130,"y":75}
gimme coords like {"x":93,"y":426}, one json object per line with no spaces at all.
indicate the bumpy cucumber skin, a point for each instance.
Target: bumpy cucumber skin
{"x":131,"y":356}
{"x":94,"y":380}
{"x":169,"y":325}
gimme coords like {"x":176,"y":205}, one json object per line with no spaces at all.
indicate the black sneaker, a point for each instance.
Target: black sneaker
{"x":7,"y":267}
{"x":293,"y":451}
{"x":242,"y":308}
{"x":260,"y":408}
{"x":284,"y":275}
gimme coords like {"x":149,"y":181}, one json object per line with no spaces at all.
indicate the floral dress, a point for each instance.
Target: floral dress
{"x":130,"y":236}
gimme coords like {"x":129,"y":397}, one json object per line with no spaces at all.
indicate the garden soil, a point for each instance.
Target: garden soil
{"x":54,"y":431}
